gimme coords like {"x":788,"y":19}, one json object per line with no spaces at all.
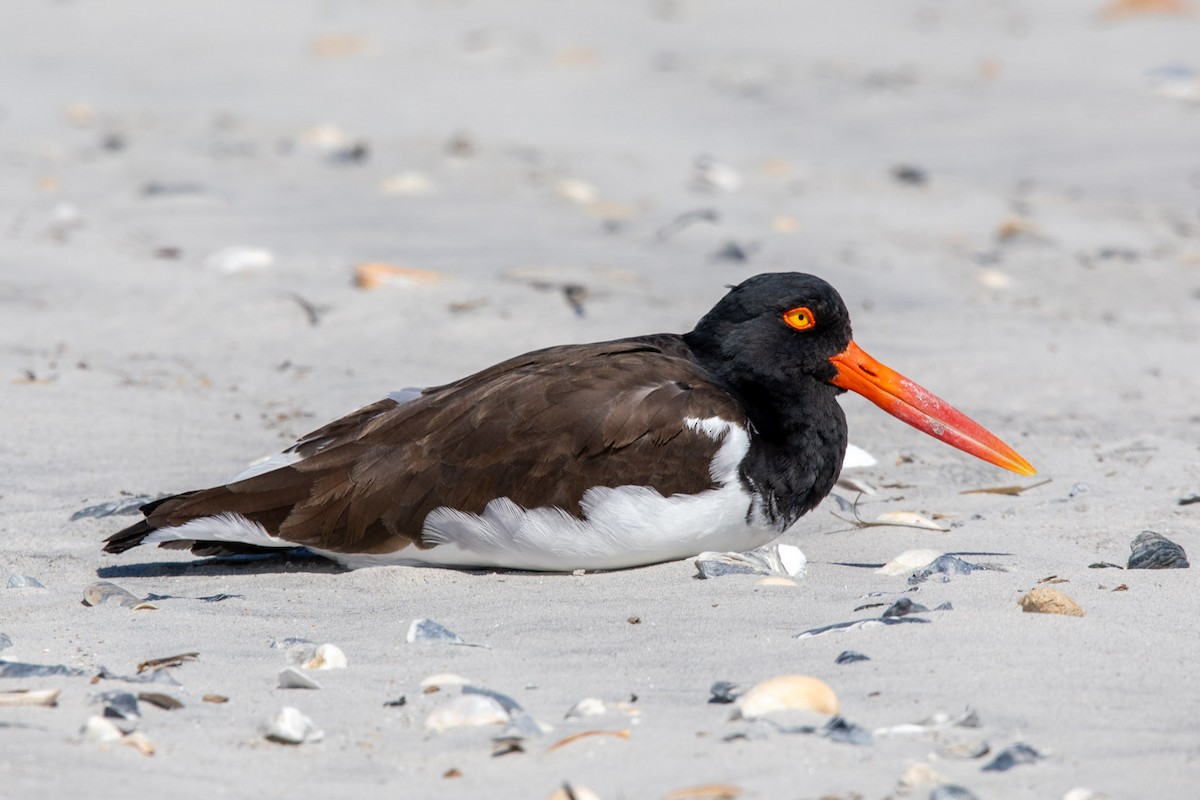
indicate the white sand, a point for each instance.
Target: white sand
{"x":1077,"y":339}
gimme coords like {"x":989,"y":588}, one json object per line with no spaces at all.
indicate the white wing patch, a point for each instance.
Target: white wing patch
{"x":625,"y":526}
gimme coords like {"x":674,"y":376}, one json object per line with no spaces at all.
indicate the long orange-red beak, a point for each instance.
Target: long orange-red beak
{"x":920,"y":408}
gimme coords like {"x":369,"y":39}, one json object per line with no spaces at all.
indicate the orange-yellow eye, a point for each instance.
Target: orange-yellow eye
{"x":800,"y":318}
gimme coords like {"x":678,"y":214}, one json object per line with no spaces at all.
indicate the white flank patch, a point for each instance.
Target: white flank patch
{"x":624,"y":526}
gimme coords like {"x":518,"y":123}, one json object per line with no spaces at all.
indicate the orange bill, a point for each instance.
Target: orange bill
{"x":922,"y":409}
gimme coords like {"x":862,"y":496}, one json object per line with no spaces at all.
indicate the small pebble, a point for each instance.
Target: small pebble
{"x":24,"y":582}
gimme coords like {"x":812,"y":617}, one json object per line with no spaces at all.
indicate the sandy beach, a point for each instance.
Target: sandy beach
{"x":225,"y":224}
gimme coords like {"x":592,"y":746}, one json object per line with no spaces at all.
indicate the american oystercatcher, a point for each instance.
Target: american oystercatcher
{"x":591,"y":456}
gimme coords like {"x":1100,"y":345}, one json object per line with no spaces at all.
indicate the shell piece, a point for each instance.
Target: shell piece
{"x":850,"y":656}
{"x":1044,"y":600}
{"x":103,"y":592}
{"x":373,"y":274}
{"x":908,"y":561}
{"x":24,"y":582}
{"x":909,"y":519}
{"x":426,"y":630}
{"x":290,"y":726}
{"x":292,"y":678}
{"x":326,"y":656}
{"x":466,"y":711}
{"x":1152,"y":550}
{"x":707,"y":791}
{"x":857,"y":457}
{"x":775,"y":580}
{"x":231,"y":260}
{"x":100,"y":730}
{"x":1014,"y":755}
{"x":945,"y":566}
{"x":122,"y":709}
{"x":779,"y":559}
{"x":963,"y":748}
{"x":160,"y":700}
{"x":918,"y":774}
{"x":443,"y":680}
{"x":951,"y":791}
{"x":787,"y":693}
{"x":587,"y":707}
{"x":570,"y":791}
{"x":29,"y":697}
{"x":1083,"y":793}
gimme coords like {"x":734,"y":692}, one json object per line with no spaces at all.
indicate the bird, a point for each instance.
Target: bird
{"x":597,"y":456}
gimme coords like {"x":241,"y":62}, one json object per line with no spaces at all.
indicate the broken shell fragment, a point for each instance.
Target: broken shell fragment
{"x":292,"y":678}
{"x":290,"y":726}
{"x":100,"y":730}
{"x":707,"y":791}
{"x":29,"y":697}
{"x":466,"y":711}
{"x":327,"y":656}
{"x":587,"y":707}
{"x":909,"y":519}
{"x":426,"y":630}
{"x":1044,"y":600}
{"x":908,"y":561}
{"x":573,"y":792}
{"x":443,"y":680}
{"x":787,"y":693}
{"x":779,"y":559}
{"x":373,"y":274}
{"x":945,"y":566}
{"x":850,"y":656}
{"x":231,"y":260}
{"x":103,"y":592}
{"x":951,"y":791}
{"x":1152,"y":550}
{"x":1014,"y":755}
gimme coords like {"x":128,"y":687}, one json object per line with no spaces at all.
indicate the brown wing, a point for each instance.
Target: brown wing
{"x":540,"y":429}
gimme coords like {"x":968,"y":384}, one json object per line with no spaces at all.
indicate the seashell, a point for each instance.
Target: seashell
{"x":908,"y":561}
{"x":159,"y":700}
{"x":1083,"y":793}
{"x":231,"y":260}
{"x":466,"y":711}
{"x":775,"y":580}
{"x":779,"y":559}
{"x":167,"y":662}
{"x":290,"y":726}
{"x":373,"y":274}
{"x":951,"y":791}
{"x":5,"y":641}
{"x":292,"y":678}
{"x":707,"y":791}
{"x":138,"y":741}
{"x":713,"y":176}
{"x":587,"y":707}
{"x":909,"y":519}
{"x":18,"y":669}
{"x":29,"y":697}
{"x":443,"y":680}
{"x":857,"y":624}
{"x":218,"y":699}
{"x":918,"y":774}
{"x":122,"y":709}
{"x":573,"y":792}
{"x":1044,"y":600}
{"x":939,"y":721}
{"x":24,"y":582}
{"x":576,"y":191}
{"x":839,"y":729}
{"x":1152,"y":550}
{"x":786,"y":693}
{"x":406,"y":183}
{"x":1012,"y":756}
{"x":103,"y":592}
{"x":945,"y":566}
{"x":851,"y":485}
{"x":426,"y":630}
{"x":100,"y":730}
{"x":575,"y":737}
{"x":326,"y":656}
{"x":902,"y":608}
{"x":850,"y":656}
{"x":726,"y":691}
{"x":963,"y":748}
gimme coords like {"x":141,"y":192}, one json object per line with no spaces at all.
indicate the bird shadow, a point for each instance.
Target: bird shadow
{"x":284,"y":563}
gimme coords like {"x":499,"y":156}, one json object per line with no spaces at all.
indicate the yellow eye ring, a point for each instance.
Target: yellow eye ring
{"x":800,"y":319}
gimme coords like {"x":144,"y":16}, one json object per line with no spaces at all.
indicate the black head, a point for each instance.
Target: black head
{"x":775,"y":332}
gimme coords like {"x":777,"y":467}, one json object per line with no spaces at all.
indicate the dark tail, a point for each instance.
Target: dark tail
{"x":128,"y":538}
